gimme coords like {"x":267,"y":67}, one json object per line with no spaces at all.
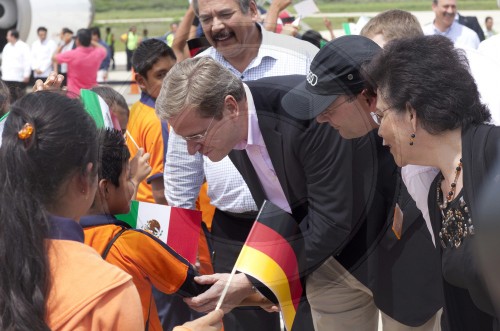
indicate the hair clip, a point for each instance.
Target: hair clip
{"x":25,"y":132}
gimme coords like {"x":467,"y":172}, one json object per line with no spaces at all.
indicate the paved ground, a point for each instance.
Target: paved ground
{"x":121,"y":75}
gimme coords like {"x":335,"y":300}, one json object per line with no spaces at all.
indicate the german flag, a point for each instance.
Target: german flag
{"x":273,"y":255}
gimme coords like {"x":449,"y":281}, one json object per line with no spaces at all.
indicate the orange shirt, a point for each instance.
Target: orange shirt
{"x":86,"y":292}
{"x":148,"y":260}
{"x":151,"y":134}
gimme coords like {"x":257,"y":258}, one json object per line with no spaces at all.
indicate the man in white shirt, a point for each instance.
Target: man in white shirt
{"x":42,"y":50}
{"x":68,"y":43}
{"x":16,"y":65}
{"x":445,"y":24}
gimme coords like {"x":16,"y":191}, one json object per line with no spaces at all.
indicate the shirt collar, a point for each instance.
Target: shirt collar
{"x":445,"y":32}
{"x":65,"y":229}
{"x":254,"y":136}
{"x":101,"y":219}
{"x":147,"y":100}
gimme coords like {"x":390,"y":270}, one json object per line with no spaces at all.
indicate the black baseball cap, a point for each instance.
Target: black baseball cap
{"x":334,"y":71}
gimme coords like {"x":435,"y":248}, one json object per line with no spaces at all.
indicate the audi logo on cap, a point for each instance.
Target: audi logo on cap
{"x":312,"y":78}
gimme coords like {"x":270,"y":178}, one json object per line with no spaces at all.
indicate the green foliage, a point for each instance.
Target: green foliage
{"x":157,"y":8}
{"x":117,"y":13}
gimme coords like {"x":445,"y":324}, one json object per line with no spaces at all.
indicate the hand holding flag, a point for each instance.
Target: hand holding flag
{"x":273,"y":255}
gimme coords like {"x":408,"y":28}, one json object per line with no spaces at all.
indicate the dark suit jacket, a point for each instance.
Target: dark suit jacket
{"x":472,"y":23}
{"x":480,"y":150}
{"x":343,"y":193}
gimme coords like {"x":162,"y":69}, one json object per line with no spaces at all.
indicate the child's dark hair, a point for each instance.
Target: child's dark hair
{"x":4,"y":98}
{"x":147,"y":54}
{"x":113,"y":155}
{"x":34,"y":170}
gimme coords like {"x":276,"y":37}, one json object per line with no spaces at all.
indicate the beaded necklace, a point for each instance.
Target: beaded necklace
{"x":453,"y":187}
{"x":456,"y":222}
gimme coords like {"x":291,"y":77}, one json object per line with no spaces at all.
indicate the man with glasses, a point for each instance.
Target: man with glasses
{"x":407,"y":256}
{"x":249,"y":52}
{"x":341,"y":191}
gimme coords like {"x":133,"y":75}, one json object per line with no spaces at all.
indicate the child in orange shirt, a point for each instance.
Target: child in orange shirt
{"x":142,"y":255}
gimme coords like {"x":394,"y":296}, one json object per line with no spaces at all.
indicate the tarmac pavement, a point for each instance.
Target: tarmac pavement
{"x":119,"y":78}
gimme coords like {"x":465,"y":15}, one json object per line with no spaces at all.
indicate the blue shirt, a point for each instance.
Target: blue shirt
{"x":107,"y":60}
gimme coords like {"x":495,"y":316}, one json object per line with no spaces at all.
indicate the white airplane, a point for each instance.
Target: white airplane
{"x":27,"y":15}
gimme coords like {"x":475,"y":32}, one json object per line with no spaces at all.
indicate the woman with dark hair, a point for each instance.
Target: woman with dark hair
{"x":50,"y":279}
{"x":430,"y":114}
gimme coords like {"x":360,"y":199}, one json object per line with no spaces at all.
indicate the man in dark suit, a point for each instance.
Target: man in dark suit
{"x":472,"y":23}
{"x":341,"y":191}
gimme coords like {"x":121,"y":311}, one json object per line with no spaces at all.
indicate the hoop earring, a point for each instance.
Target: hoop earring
{"x":412,"y":136}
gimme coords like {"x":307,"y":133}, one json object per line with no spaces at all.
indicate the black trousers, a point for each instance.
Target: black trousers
{"x":129,"y":53}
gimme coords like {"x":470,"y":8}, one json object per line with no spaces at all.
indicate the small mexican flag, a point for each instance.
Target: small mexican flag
{"x":178,"y":227}
{"x":99,"y":110}
{"x":2,"y":124}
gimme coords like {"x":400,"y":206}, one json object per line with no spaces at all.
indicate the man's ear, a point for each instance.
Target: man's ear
{"x":231,"y":105}
{"x":254,"y":11}
{"x":371,"y":100}
{"x":141,"y":81}
{"x":103,"y":188}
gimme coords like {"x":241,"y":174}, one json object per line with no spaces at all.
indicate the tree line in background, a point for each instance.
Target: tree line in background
{"x":330,"y":5}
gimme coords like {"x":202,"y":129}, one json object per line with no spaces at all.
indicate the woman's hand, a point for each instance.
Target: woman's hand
{"x":53,"y":82}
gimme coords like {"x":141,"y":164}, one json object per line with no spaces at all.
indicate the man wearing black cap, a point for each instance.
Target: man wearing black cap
{"x":335,"y":92}
{"x":332,"y":186}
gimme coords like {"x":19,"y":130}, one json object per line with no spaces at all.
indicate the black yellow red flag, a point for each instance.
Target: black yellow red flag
{"x":273,"y":254}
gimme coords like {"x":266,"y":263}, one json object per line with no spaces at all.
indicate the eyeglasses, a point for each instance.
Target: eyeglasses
{"x":378,"y":115}
{"x":348,"y":99}
{"x":200,"y":136}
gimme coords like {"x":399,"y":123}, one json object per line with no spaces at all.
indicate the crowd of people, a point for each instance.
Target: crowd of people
{"x":83,"y":60}
{"x":379,"y":145}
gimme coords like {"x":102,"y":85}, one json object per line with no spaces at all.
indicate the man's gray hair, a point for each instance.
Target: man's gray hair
{"x":199,"y":83}
{"x":244,"y":6}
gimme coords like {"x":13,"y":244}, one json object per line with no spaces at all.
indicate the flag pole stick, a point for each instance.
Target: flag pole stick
{"x":132,"y":139}
{"x":224,"y":292}
{"x":219,"y":304}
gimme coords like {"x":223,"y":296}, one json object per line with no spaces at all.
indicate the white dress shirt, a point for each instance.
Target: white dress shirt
{"x":418,"y":180}
{"x":259,"y":157}
{"x":184,"y":173}
{"x":485,"y":68}
{"x":459,"y":34}
{"x":16,"y":62}
{"x":41,"y":58}
{"x":66,"y":48}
